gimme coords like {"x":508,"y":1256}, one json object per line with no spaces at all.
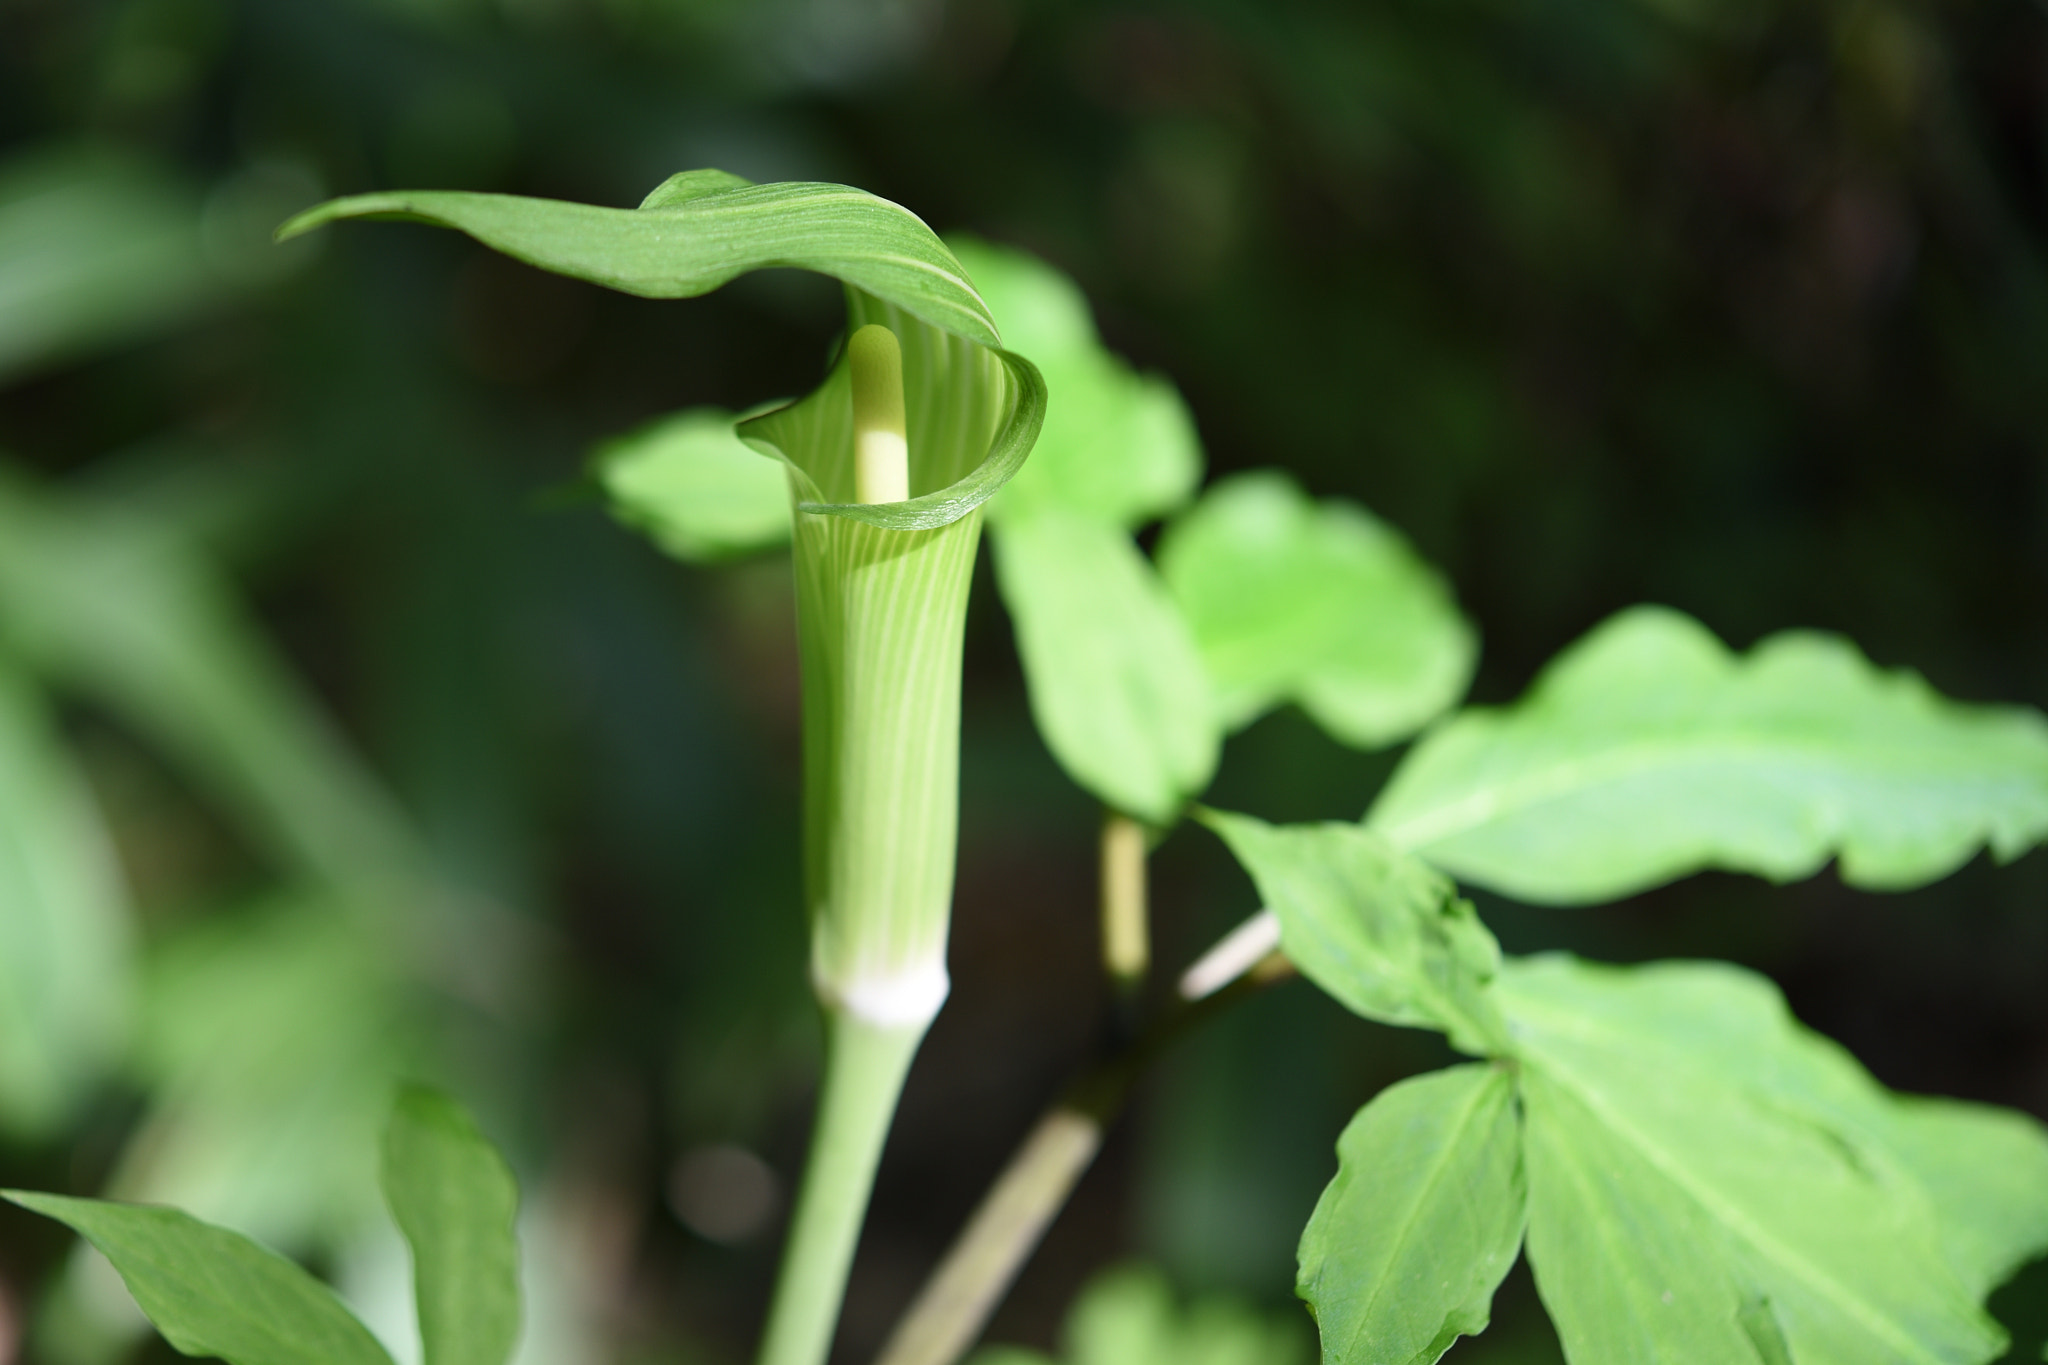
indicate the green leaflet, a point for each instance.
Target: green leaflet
{"x":1316,"y":603}
{"x":65,"y":936}
{"x":1647,"y":751}
{"x":1709,"y":1182}
{"x":695,"y":488}
{"x":881,"y":606}
{"x":455,"y":1201}
{"x":1116,"y":688}
{"x":1423,"y":1219}
{"x":213,"y":1292}
{"x":1384,"y":934}
{"x":1117,"y":446}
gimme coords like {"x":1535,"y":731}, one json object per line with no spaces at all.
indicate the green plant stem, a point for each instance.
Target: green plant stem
{"x":969,"y":1283}
{"x":865,"y":1064}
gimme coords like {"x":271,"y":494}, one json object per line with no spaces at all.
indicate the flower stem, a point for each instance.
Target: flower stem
{"x":865,"y":1063}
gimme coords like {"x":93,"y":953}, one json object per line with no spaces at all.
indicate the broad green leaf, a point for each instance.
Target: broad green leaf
{"x":1409,"y":1241}
{"x":1384,"y":934}
{"x":1709,"y":1182}
{"x":702,"y":229}
{"x":95,"y":249}
{"x":1116,"y":689}
{"x":1648,"y":751}
{"x":1117,"y":445}
{"x":104,"y":597}
{"x":455,"y":1201}
{"x":695,"y":488}
{"x":1318,"y":603}
{"x":65,"y":936}
{"x":212,"y":1292}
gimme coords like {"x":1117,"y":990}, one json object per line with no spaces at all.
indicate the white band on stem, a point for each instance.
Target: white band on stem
{"x":1236,"y":953}
{"x":910,"y":997}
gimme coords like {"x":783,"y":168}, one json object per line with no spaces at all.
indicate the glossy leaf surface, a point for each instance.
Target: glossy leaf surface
{"x":1117,"y":445}
{"x":65,"y":936}
{"x":1648,"y":751}
{"x":212,"y":1292}
{"x":455,"y":1200}
{"x":1709,"y":1182}
{"x":1318,"y":603}
{"x":1383,"y":933}
{"x":1412,"y":1237}
{"x":694,"y":487}
{"x":1115,"y":686}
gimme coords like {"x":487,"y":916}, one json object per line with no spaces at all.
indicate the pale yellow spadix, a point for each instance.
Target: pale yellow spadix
{"x":881,"y":439}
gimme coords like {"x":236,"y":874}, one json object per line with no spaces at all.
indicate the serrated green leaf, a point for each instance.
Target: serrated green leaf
{"x":1383,"y":933}
{"x":65,"y":935}
{"x":1695,"y":1158}
{"x":1408,"y":1243}
{"x":694,"y":487}
{"x":455,"y":1200}
{"x":701,"y":230}
{"x":1116,"y":689}
{"x":212,"y":1292}
{"x":1648,"y":751}
{"x":1117,"y":445}
{"x":1318,"y":603}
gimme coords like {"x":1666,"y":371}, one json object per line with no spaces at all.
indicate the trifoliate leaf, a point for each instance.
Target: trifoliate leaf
{"x":1383,"y":933}
{"x":1710,"y":1182}
{"x":1115,"y":686}
{"x":1318,"y":603}
{"x":213,"y":1292}
{"x":1424,"y":1218}
{"x":693,"y":486}
{"x":1648,"y":751}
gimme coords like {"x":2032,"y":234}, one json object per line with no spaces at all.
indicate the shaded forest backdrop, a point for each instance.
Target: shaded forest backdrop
{"x":411,"y":760}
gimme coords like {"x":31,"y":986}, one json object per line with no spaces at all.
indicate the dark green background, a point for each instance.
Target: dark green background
{"x":1734,"y":305}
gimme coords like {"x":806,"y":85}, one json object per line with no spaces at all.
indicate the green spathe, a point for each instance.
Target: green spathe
{"x":1648,"y":751}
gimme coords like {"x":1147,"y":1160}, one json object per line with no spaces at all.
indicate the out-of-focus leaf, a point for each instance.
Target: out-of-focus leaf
{"x":1422,"y":1221}
{"x":1648,"y":751}
{"x":1708,"y":1181}
{"x":1115,"y":686}
{"x":109,"y":599}
{"x":1316,"y":603}
{"x":455,"y":1201}
{"x":64,"y":931}
{"x":692,"y":485}
{"x":271,"y":1039}
{"x":95,"y":249}
{"x":1383,"y":933}
{"x":1117,"y":445}
{"x":213,"y":1292}
{"x":1127,"y":1316}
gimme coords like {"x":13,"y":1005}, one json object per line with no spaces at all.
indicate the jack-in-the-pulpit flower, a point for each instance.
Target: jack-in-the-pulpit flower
{"x":922,"y":418}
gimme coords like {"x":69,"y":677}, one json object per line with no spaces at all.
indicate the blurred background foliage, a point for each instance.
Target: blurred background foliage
{"x":342,"y":735}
